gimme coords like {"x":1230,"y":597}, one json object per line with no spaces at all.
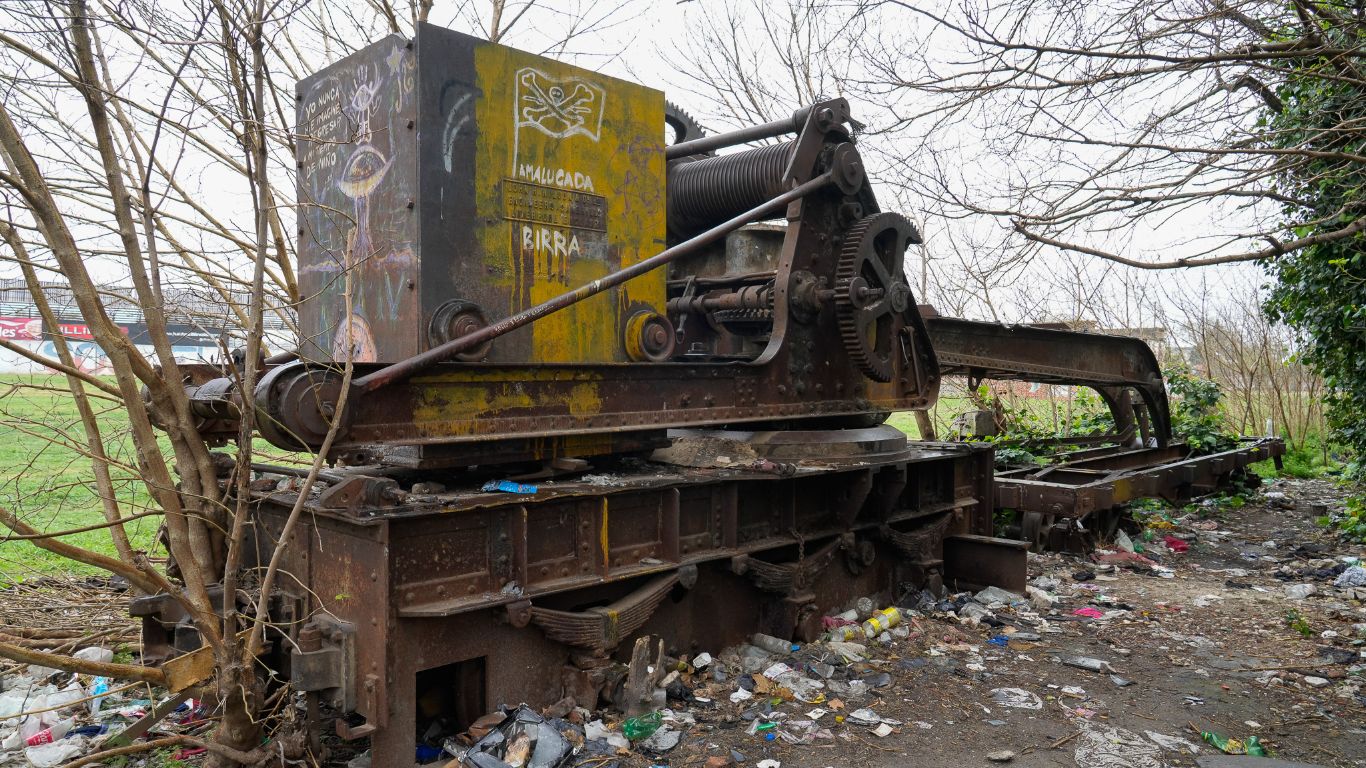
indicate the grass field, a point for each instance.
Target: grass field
{"x":49,"y":482}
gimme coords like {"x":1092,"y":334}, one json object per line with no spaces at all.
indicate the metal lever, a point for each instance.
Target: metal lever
{"x":414,"y":365}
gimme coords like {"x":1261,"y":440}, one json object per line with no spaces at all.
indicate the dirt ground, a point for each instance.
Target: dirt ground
{"x":1217,"y":647}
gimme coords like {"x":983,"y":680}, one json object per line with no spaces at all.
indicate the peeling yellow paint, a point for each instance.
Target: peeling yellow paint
{"x":614,"y":160}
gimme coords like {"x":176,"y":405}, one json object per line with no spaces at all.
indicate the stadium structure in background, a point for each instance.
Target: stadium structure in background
{"x":200,"y":328}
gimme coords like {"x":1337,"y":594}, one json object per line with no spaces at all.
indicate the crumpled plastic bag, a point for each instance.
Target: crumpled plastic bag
{"x":1108,"y":747}
{"x":1352,"y":577}
{"x":56,"y":753}
{"x":524,"y":738}
{"x":1016,"y":698}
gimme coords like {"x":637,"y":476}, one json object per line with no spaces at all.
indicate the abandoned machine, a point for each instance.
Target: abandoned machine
{"x":606,"y":382}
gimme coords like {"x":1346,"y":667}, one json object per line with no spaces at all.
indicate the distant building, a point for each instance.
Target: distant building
{"x":198,"y":326}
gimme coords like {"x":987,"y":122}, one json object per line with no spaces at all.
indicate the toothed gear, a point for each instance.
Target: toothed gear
{"x":753,"y":321}
{"x":684,"y":126}
{"x":871,"y":290}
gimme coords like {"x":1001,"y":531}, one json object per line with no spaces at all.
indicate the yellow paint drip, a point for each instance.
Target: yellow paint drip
{"x":602,"y":542}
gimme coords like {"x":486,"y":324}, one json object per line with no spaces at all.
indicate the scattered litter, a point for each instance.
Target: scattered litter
{"x":992,"y":595}
{"x":507,"y":486}
{"x":1110,"y":747}
{"x":1089,"y":612}
{"x":56,"y":753}
{"x":1299,"y":591}
{"x":1173,"y":743}
{"x":523,"y":737}
{"x":1123,"y":541}
{"x":1003,"y":756}
{"x":1088,"y":663}
{"x":1016,"y":698}
{"x":96,"y":654}
{"x":1354,"y":576}
{"x":863,"y":717}
{"x":773,"y":644}
{"x":637,"y":728}
{"x":1122,"y":682}
{"x":1230,"y":746}
{"x":1176,"y":545}
{"x":883,"y":730}
{"x":661,"y":741}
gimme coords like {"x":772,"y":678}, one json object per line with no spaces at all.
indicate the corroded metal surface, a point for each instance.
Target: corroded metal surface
{"x":532,"y":596}
{"x":624,"y":336}
{"x":1062,"y":504}
{"x":1112,"y":365}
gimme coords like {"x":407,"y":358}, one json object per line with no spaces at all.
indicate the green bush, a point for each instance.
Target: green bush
{"x":1198,"y":412}
{"x":1307,"y":460}
{"x":1352,"y":521}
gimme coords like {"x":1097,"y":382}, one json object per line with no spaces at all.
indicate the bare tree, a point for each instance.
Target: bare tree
{"x":1130,"y":132}
{"x":1254,"y":360}
{"x":147,"y":160}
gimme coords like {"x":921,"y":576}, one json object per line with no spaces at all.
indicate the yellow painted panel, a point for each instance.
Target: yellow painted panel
{"x":574,"y":162}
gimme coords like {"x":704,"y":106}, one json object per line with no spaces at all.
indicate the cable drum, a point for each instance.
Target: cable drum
{"x":704,"y":193}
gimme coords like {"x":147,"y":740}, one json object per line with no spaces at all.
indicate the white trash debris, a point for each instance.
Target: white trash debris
{"x":1352,"y":577}
{"x":1299,"y":591}
{"x":1016,"y":698}
{"x":1108,"y":747}
{"x":56,"y":753}
{"x":1173,"y":743}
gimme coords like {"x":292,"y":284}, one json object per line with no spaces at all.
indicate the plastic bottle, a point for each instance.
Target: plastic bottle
{"x":773,"y":644}
{"x":52,"y":733}
{"x":881,"y":621}
{"x":643,"y":727}
{"x":849,"y":633}
{"x":97,"y":689}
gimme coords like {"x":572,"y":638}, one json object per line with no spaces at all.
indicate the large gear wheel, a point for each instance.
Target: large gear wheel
{"x":684,"y":127}
{"x":871,"y":290}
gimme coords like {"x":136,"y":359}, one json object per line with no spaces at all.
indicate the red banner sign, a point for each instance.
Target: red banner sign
{"x":21,"y":329}
{"x":31,"y":329}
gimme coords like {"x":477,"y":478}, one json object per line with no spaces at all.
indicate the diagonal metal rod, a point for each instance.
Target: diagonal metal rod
{"x":391,"y":374}
{"x":742,"y":136}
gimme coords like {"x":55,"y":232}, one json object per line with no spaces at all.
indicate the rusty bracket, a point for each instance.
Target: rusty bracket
{"x":376,"y":719}
{"x":324,"y":661}
{"x":359,"y":492}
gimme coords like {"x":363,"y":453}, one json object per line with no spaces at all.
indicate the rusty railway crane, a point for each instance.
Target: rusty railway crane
{"x":605,"y":384}
{"x":597,"y":391}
